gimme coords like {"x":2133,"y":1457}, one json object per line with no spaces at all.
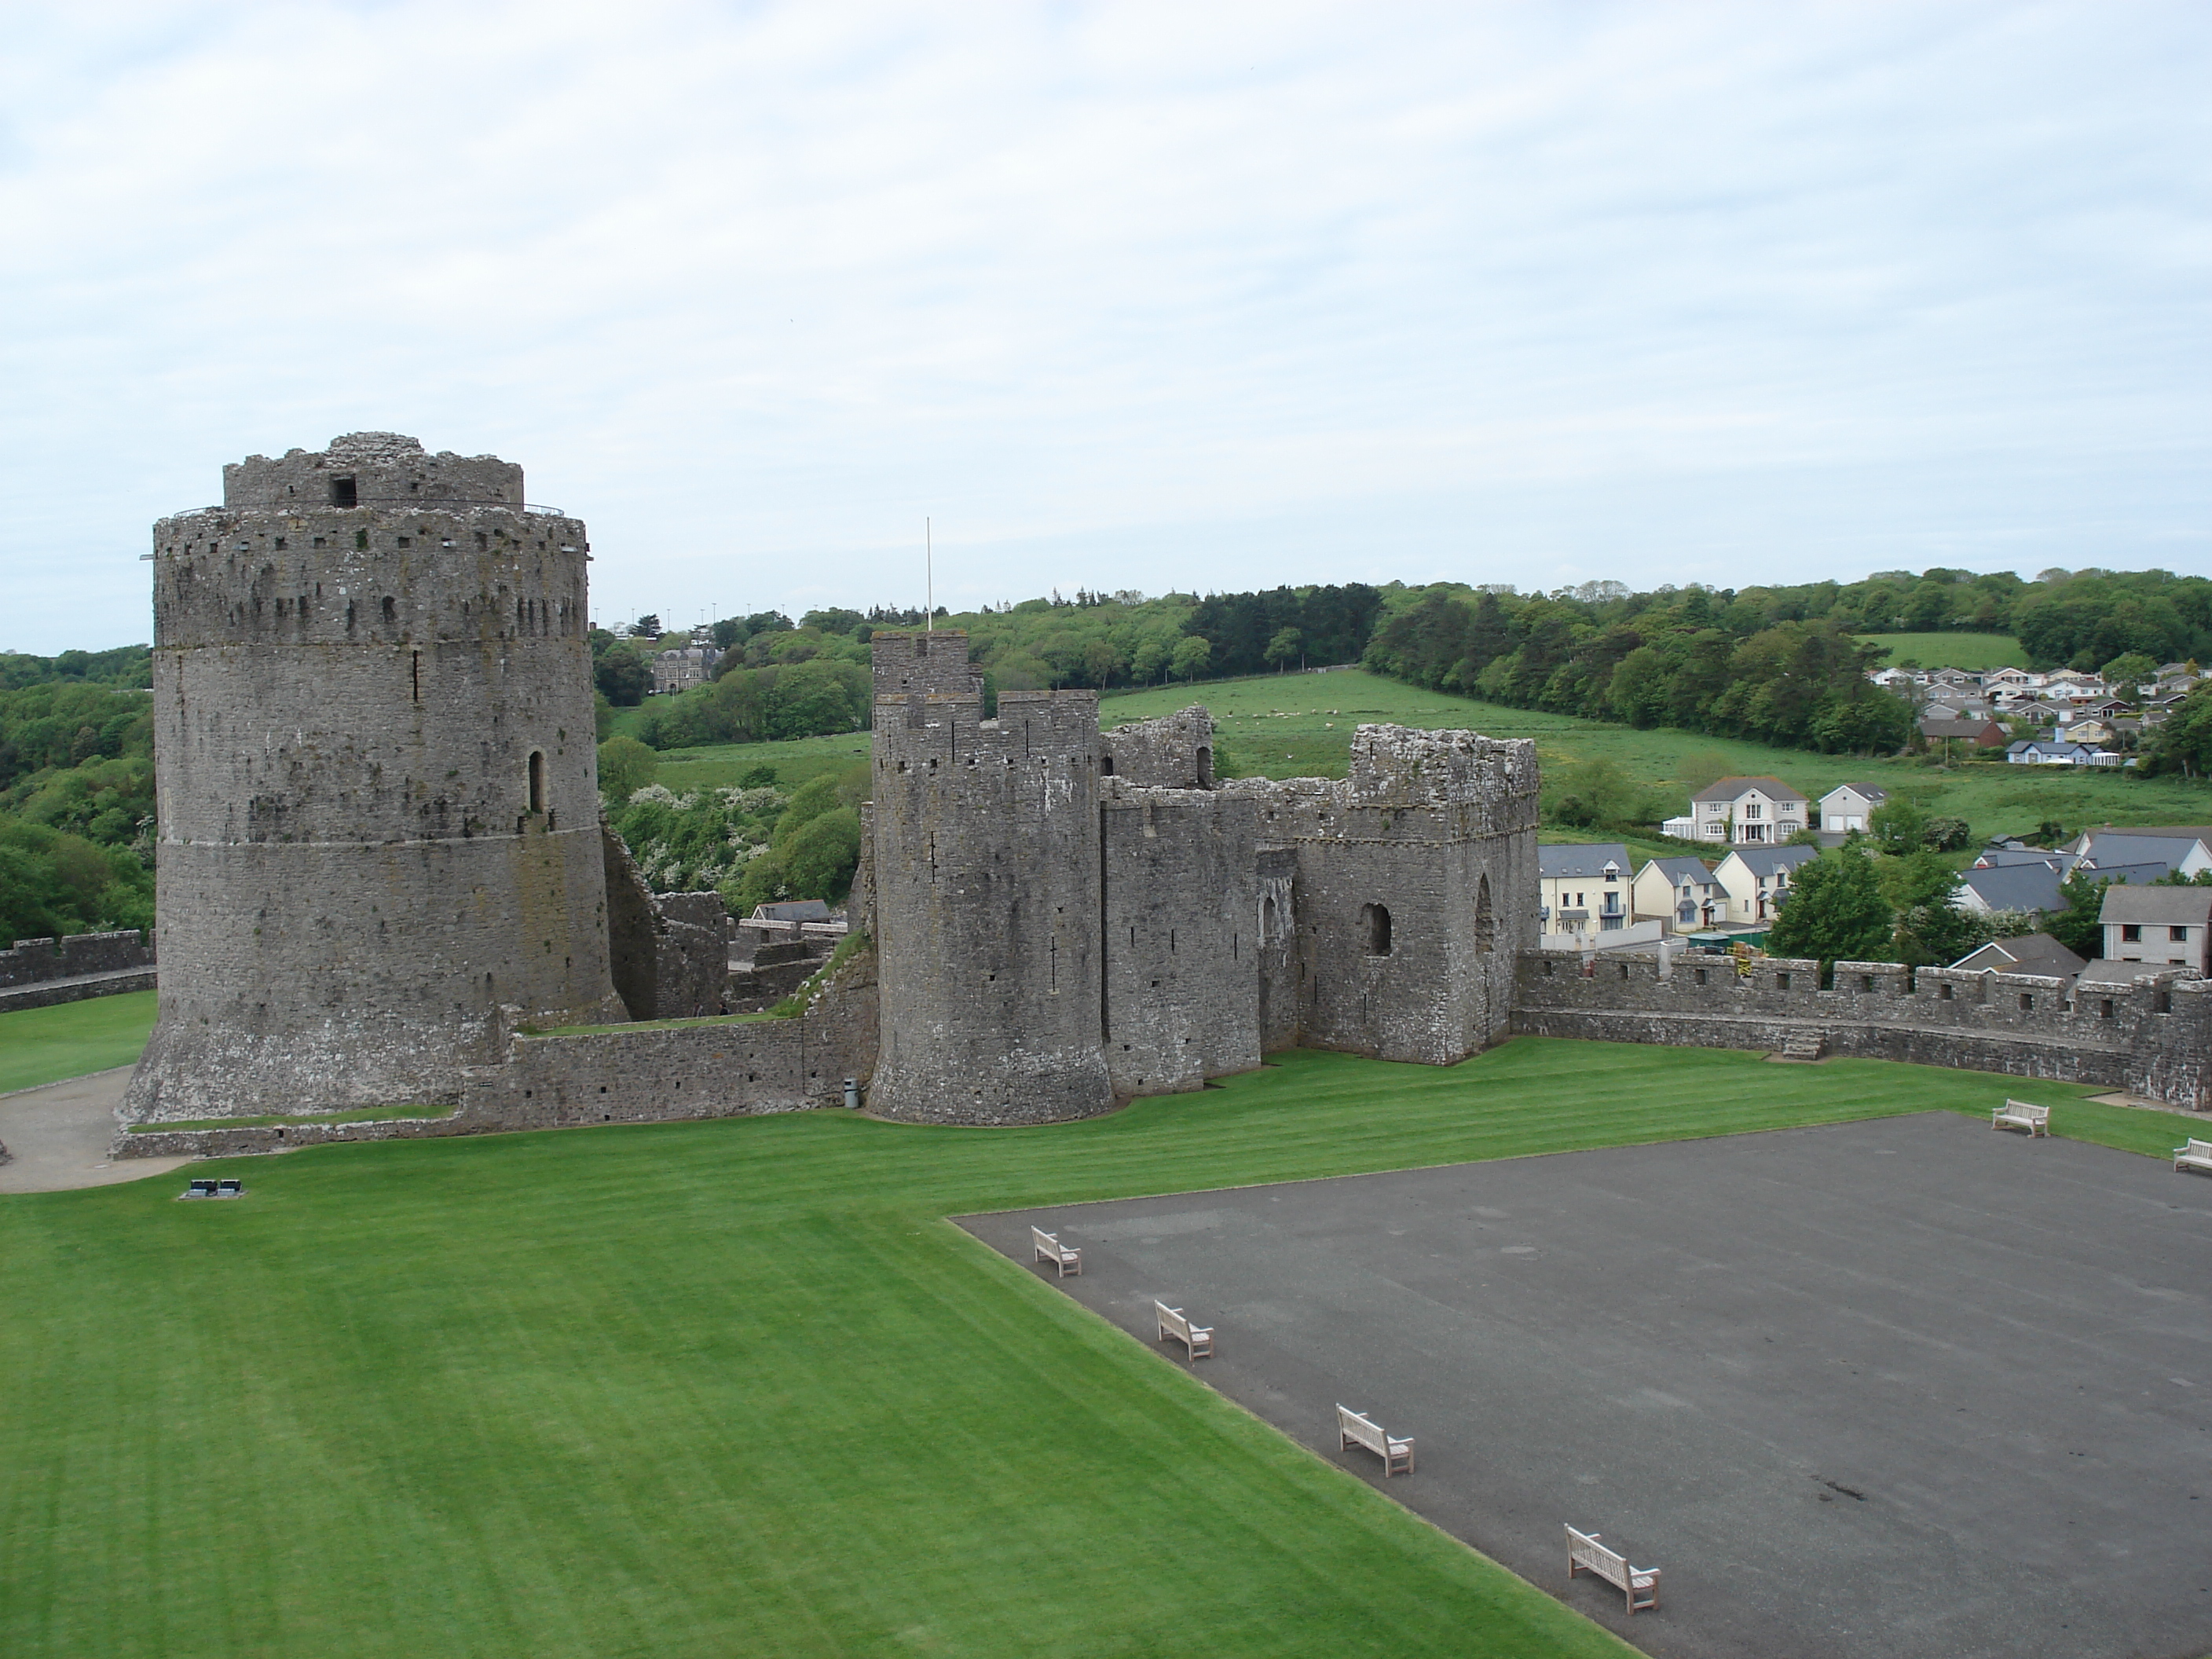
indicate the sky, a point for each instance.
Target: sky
{"x":1170,"y":297}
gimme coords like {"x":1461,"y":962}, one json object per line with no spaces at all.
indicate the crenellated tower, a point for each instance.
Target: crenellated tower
{"x":986,"y":866}
{"x":376,"y":773}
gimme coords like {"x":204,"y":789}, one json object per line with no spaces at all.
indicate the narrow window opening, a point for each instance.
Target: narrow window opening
{"x":391,"y":609}
{"x":1782,"y":982}
{"x":1485,"y":921}
{"x":1943,"y":992}
{"x":1206,"y":771}
{"x":537,"y":779}
{"x":1267,"y":919}
{"x":1866,"y":981}
{"x":418,"y":675}
{"x":2027,"y":1002}
{"x":1699,"y":973}
{"x":2105,"y":1009}
{"x":343,"y":493}
{"x":1106,"y":765}
{"x":361,"y":541}
{"x":1375,"y":923}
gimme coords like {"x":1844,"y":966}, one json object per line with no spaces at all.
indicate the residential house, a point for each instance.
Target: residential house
{"x":1681,"y":892}
{"x":1582,"y":887}
{"x":1902,"y":680}
{"x":1753,"y":811}
{"x":2159,"y":926}
{"x":2184,"y":848}
{"x":2033,"y":953}
{"x":1847,"y":806}
{"x":2057,"y":751}
{"x":2030,"y":885}
{"x":2012,"y":679}
{"x":1977,"y":731}
{"x":1757,"y":880}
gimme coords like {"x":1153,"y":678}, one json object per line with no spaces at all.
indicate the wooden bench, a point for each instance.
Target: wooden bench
{"x":1049,"y":1248}
{"x":2194,"y":1155}
{"x":1197,"y":1339}
{"x":1639,"y":1584}
{"x":2019,"y":1114}
{"x":1352,"y":1429}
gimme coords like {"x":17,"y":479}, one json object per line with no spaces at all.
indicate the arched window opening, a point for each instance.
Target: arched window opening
{"x":1106,"y":765}
{"x":1485,"y":919}
{"x":1205,"y":767}
{"x":1268,"y":919}
{"x":1375,"y":920}
{"x":537,"y":779}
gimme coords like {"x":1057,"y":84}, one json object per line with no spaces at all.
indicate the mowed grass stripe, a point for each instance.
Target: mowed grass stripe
{"x":737,"y":1387}
{"x":71,"y":1039}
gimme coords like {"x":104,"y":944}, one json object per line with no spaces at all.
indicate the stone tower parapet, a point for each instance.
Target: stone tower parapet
{"x":1416,"y":885}
{"x":923,"y":663}
{"x":1175,"y":751}
{"x":376,"y":776}
{"x":986,"y":880}
{"x":371,"y":469}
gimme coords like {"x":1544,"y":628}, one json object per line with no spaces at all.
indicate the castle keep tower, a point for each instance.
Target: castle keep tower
{"x":985,"y":863}
{"x":376,"y":772}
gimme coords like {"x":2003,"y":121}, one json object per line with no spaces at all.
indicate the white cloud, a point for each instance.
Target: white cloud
{"x":1136,"y":295}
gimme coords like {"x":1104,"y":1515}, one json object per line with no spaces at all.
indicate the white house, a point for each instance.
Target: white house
{"x":1757,"y":811}
{"x":1582,"y":887}
{"x":1757,"y":879}
{"x":1847,"y":806}
{"x":2158,"y":927}
{"x":1679,"y":892}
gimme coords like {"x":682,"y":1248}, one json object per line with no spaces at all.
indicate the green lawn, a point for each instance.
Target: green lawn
{"x":1972,"y":652}
{"x":737,"y":1388}
{"x":722,"y":765}
{"x":44,"y":1045}
{"x":1291,"y":724}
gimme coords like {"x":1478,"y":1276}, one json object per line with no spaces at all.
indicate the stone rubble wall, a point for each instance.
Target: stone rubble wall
{"x":640,"y":1073}
{"x":33,"y":960}
{"x":2153,"y":1038}
{"x":1175,"y":751}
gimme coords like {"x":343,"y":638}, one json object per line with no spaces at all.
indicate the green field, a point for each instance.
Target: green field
{"x":44,"y":1045}
{"x":1972,"y":652}
{"x":1301,"y":724}
{"x":737,"y":1387}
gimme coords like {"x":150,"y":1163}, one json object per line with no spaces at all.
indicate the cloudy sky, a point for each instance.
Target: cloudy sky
{"x":1161,"y":296}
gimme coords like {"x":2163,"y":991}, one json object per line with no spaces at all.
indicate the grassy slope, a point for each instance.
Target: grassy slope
{"x":722,"y":765}
{"x":44,"y":1045}
{"x":736,"y":1388}
{"x":1972,"y":652}
{"x":1289,"y":725}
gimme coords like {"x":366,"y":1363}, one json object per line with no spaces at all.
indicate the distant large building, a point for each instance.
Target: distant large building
{"x":1753,"y":811}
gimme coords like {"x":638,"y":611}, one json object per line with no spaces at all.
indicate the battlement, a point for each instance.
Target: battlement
{"x":360,"y":576}
{"x":1396,"y":765}
{"x":369,"y":469}
{"x":945,"y":729}
{"x":1175,"y":751}
{"x":2150,"y":1036}
{"x":925,"y":662}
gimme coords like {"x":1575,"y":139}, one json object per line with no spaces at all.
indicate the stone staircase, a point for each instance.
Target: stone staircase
{"x":1805,"y":1046}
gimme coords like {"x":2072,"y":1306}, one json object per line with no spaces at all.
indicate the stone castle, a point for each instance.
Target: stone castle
{"x":385,"y":881}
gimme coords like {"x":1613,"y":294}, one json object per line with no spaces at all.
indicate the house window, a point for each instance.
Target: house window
{"x":2176,"y":934}
{"x":2130,"y":933}
{"x":1751,"y":809}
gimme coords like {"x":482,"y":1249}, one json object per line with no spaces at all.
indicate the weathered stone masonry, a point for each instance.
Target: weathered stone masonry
{"x":374,"y":761}
{"x":2153,"y":1039}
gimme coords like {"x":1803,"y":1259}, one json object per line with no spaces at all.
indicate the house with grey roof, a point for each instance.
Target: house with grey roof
{"x":2032,"y":953}
{"x":2184,"y":848}
{"x":1582,"y":888}
{"x":2160,"y":927}
{"x":1757,"y":880}
{"x":1679,"y":892}
{"x":1848,"y":805}
{"x":1750,"y":812}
